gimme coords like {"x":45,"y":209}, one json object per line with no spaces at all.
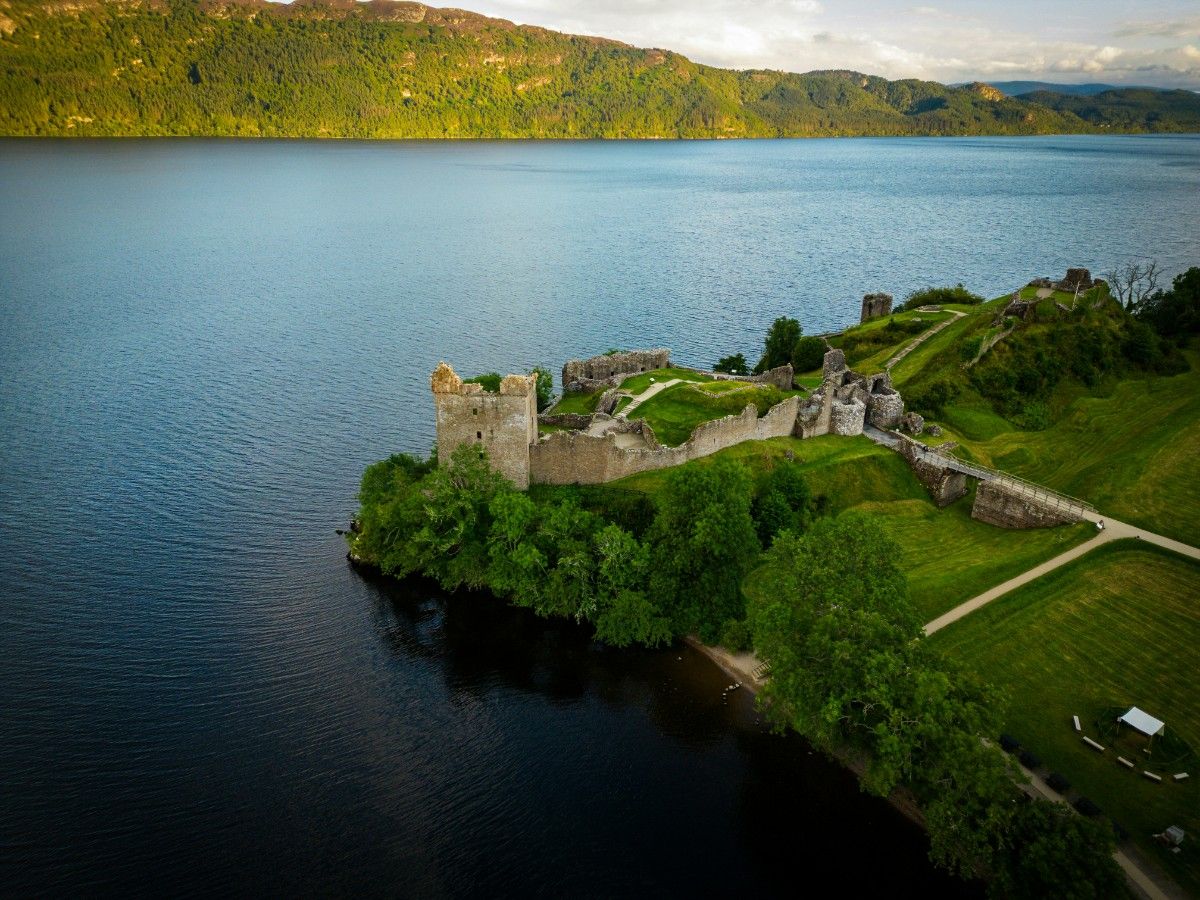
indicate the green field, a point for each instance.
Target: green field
{"x":636,"y":384}
{"x":1115,"y":628}
{"x":675,"y":412}
{"x":948,"y":556}
{"x":576,"y":402}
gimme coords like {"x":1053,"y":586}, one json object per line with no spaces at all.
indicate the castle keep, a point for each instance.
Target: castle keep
{"x":504,"y":423}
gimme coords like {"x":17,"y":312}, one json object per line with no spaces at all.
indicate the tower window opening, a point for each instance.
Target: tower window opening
{"x":479,"y":435}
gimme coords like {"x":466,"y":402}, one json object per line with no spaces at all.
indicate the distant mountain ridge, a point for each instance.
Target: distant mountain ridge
{"x":1018,"y":88}
{"x":384,"y":69}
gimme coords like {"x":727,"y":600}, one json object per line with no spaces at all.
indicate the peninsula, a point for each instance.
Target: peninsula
{"x":902,"y":535}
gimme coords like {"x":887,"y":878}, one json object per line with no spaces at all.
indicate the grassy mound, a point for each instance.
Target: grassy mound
{"x":636,"y":384}
{"x":581,"y":403}
{"x":675,"y":412}
{"x":869,"y":345}
{"x":1132,"y":453}
{"x":1115,"y":628}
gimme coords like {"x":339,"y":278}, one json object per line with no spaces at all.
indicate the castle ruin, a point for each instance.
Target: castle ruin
{"x":503,"y":423}
{"x":609,"y":369}
{"x":600,"y":447}
{"x":875,"y":305}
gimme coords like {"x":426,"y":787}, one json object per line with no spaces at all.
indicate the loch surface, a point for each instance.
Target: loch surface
{"x":202,"y":344}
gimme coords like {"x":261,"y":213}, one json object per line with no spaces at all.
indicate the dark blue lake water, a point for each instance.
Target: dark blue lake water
{"x":201,"y":346}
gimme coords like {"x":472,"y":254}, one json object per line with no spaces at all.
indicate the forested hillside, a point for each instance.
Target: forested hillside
{"x":337,"y":68}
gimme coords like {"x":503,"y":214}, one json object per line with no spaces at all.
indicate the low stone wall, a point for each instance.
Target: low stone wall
{"x":783,"y":377}
{"x":608,"y":371}
{"x":1000,"y":505}
{"x":577,"y":458}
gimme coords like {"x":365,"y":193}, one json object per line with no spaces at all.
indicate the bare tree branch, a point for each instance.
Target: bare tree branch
{"x":1133,"y":281}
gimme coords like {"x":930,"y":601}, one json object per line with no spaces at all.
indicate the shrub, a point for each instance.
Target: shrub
{"x":732,"y":365}
{"x":489,"y":380}
{"x":933,"y":398}
{"x":735,"y":635}
{"x":545,"y":387}
{"x":932,"y":296}
{"x":808,"y":354}
{"x":969,"y":349}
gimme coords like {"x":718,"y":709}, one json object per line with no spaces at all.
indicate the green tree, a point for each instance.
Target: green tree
{"x":545,"y":387}
{"x":734,"y":365}
{"x":808,"y":354}
{"x":838,"y":616}
{"x":702,"y":544}
{"x":1177,"y":311}
{"x":451,"y":540}
{"x":1048,"y":851}
{"x":779,"y":344}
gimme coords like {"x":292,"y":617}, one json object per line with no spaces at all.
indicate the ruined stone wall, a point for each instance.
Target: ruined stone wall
{"x":565,"y":420}
{"x":607,"y":371}
{"x":846,"y":417}
{"x":504,"y":423}
{"x":876,"y":305}
{"x":945,"y":485}
{"x":578,"y":458}
{"x":885,"y":409}
{"x":998,"y":504}
{"x":783,"y":377}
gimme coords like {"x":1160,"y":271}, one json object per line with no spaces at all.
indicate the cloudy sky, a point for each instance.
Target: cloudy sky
{"x":1153,"y":42}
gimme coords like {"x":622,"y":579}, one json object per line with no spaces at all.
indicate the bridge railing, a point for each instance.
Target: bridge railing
{"x":1044,"y":495}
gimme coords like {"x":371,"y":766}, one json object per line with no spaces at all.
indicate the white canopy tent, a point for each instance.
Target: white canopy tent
{"x":1143,"y":722}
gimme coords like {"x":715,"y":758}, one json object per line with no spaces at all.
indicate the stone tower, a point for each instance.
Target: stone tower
{"x":875,"y":305}
{"x":503,"y":423}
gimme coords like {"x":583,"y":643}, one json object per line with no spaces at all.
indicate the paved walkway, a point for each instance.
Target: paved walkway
{"x":923,"y":337}
{"x":1113,"y":531}
{"x":657,"y":388}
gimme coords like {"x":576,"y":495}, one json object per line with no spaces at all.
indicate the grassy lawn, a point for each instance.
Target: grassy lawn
{"x":675,"y":413}
{"x":845,"y":469}
{"x":576,"y":402}
{"x":869,"y":358}
{"x":950,"y":557}
{"x":1113,"y":629}
{"x":635,"y":384}
{"x":1132,"y":454}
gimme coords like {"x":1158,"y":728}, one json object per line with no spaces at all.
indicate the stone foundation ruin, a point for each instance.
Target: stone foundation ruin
{"x":586,"y":375}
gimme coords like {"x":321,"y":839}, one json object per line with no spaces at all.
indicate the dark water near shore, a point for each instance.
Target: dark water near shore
{"x":202,"y":344}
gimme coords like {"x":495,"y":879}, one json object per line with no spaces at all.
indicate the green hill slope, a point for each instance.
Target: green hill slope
{"x":338,"y":68}
{"x":1078,"y":396}
{"x":1128,"y":109}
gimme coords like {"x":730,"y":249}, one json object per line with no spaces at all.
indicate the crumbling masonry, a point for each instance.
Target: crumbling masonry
{"x":600,"y":448}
